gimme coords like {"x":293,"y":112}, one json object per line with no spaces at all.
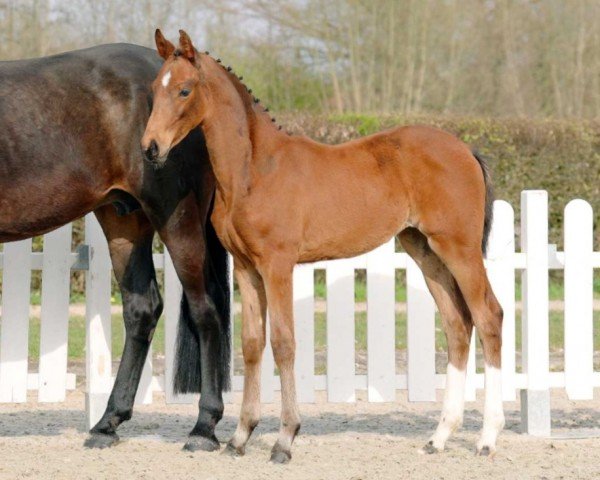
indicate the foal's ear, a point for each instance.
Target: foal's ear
{"x":164,"y":47}
{"x":186,"y":46}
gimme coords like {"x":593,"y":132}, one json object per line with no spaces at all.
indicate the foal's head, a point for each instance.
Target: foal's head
{"x":180,"y":101}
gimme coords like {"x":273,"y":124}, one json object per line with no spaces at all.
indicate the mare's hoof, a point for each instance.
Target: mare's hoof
{"x":429,"y":449}
{"x":101,"y":440}
{"x":203,"y":444}
{"x":280,"y":456}
{"x":234,"y":452}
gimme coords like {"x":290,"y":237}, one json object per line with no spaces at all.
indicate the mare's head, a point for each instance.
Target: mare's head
{"x":180,"y":98}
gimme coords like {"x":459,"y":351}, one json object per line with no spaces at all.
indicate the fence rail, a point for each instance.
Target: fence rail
{"x":341,"y":382}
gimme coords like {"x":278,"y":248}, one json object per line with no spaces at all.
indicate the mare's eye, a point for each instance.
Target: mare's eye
{"x":184,"y":93}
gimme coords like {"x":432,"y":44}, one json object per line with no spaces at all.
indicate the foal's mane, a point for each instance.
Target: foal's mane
{"x":244,"y":91}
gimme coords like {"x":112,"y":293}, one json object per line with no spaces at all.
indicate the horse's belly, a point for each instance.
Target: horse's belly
{"x":351,"y":232}
{"x":29,"y":211}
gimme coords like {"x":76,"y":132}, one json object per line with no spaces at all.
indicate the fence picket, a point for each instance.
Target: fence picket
{"x":143,"y":395}
{"x":470,"y":382}
{"x":381,"y":324}
{"x":420,"y":330}
{"x":98,"y":322}
{"x":267,"y":373}
{"x":536,"y":362}
{"x":501,"y":272}
{"x":15,"y":321}
{"x":304,"y":317}
{"x":228,"y":396}
{"x":340,"y":331}
{"x":579,"y":300}
{"x":54,"y":334}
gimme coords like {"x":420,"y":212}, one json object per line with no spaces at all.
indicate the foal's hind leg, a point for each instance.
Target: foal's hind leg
{"x":254,"y":314}
{"x":457,"y":323}
{"x":466,"y":264}
{"x":130,"y":245}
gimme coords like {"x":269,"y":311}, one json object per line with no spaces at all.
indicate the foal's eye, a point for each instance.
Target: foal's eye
{"x":184,"y":93}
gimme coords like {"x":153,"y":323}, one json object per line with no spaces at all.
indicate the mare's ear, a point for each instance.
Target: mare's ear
{"x":164,"y":47}
{"x":186,"y":46}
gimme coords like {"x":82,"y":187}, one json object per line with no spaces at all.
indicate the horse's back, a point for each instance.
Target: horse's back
{"x":124,"y":57}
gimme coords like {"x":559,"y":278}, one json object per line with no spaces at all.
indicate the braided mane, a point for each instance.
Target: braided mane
{"x":240,"y":79}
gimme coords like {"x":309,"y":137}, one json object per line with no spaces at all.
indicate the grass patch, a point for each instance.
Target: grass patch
{"x":76,"y":345}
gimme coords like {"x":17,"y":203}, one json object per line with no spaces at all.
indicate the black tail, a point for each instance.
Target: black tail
{"x":219,"y":291}
{"x":187,"y":378}
{"x":489,"y":200}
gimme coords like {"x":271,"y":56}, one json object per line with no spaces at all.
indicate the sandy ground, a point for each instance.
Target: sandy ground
{"x":359,"y":441}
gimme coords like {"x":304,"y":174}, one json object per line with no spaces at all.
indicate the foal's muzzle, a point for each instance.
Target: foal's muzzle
{"x":151,"y":153}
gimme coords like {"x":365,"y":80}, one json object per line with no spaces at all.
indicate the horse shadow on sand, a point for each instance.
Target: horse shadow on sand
{"x":174,"y":427}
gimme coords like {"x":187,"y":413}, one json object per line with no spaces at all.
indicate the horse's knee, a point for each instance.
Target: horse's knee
{"x":141,"y":312}
{"x":283,"y":344}
{"x":491,"y":325}
{"x":489,"y":328}
{"x":252,"y":348}
{"x":497,"y":314}
{"x":204,"y":314}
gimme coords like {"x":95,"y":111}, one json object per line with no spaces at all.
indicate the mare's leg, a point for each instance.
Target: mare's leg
{"x":457,"y":323}
{"x":185,"y":239}
{"x":278,"y":285}
{"x":130,"y":245}
{"x":465,"y":262}
{"x":254,"y":314}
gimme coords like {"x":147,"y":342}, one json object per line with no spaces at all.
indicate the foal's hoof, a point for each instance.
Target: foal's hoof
{"x":429,"y":448}
{"x":204,"y":444}
{"x":280,"y":456}
{"x":235,"y":452}
{"x":486,"y":451}
{"x":101,"y":440}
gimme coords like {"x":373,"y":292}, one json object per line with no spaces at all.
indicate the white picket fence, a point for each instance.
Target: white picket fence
{"x":340,"y":382}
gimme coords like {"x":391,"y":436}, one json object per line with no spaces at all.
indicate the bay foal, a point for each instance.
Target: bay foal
{"x":283,"y":200}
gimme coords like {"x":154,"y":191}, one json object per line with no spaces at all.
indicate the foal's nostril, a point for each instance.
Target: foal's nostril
{"x":151,"y":153}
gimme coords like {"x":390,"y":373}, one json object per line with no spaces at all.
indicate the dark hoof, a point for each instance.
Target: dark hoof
{"x":203,"y":444}
{"x":280,"y":456}
{"x":101,"y":440}
{"x":429,"y":449}
{"x":234,"y":452}
{"x":485,"y":452}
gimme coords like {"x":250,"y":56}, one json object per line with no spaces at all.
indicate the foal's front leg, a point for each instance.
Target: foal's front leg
{"x":279,"y":288}
{"x":254,"y":313}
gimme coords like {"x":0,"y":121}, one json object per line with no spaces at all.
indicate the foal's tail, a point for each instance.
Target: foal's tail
{"x":489,"y":200}
{"x":188,"y":377}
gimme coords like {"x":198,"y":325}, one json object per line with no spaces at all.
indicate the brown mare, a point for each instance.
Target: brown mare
{"x":71,"y":126}
{"x":283,"y":200}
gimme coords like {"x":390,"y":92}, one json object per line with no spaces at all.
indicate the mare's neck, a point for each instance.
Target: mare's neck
{"x":239,"y":133}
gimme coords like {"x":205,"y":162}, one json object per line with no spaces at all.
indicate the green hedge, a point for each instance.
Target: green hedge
{"x":560,"y":156}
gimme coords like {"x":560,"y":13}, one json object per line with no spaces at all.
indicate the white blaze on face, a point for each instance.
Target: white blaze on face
{"x":166,"y":79}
